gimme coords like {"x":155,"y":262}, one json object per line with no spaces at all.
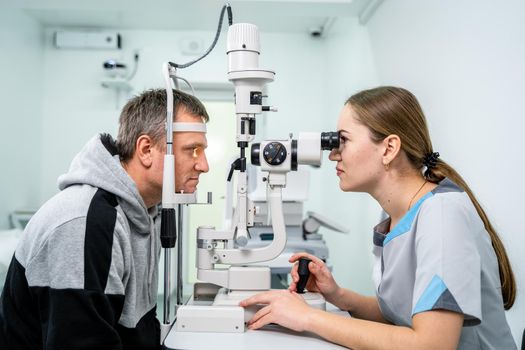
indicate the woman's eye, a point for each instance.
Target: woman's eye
{"x":343,"y":139}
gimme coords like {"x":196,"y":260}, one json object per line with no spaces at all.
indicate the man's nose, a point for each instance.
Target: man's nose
{"x":202,"y":163}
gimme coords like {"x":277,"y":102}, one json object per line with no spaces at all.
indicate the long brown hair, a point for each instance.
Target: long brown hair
{"x":391,"y":110}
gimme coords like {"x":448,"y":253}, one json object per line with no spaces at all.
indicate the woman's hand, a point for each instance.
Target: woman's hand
{"x":320,"y":280}
{"x":284,"y":307}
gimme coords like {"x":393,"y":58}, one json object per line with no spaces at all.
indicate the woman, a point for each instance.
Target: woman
{"x":444,"y":278}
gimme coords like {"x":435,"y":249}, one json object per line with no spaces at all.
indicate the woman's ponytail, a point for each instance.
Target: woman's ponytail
{"x":442,"y":170}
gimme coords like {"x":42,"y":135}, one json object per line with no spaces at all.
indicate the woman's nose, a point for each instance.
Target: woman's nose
{"x":334,"y":155}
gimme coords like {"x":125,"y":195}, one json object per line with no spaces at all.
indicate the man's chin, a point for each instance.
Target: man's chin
{"x":190,"y":188}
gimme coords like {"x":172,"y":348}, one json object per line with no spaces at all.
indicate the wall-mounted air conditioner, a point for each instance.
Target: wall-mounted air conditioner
{"x":87,"y":40}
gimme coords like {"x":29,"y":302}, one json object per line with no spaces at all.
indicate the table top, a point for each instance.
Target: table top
{"x":269,"y":337}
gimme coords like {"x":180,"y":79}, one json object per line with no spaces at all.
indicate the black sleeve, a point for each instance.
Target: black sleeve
{"x":37,"y":317}
{"x":78,"y":319}
{"x":85,"y":316}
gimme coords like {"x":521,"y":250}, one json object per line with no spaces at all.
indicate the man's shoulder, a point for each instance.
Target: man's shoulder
{"x":66,"y":215}
{"x":69,"y":226}
{"x":71,"y":203}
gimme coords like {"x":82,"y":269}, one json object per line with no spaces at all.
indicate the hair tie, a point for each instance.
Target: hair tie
{"x":430,"y":160}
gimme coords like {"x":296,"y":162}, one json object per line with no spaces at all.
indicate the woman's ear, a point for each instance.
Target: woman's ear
{"x":392,"y":146}
{"x":143,"y":150}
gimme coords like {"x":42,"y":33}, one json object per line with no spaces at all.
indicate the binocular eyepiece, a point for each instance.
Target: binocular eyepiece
{"x":285,"y":155}
{"x":329,"y":140}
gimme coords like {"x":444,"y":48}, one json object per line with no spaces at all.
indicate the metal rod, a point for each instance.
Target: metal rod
{"x":169,"y":133}
{"x":179,"y":255}
{"x":167,"y":284}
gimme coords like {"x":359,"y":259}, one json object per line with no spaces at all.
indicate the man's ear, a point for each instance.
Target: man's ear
{"x":143,"y":150}
{"x":392,"y":146}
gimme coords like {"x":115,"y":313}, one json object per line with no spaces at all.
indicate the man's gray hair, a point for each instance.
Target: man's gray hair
{"x":145,"y":114}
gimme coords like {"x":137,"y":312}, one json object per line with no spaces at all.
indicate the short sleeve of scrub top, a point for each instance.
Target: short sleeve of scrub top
{"x":447,"y":275}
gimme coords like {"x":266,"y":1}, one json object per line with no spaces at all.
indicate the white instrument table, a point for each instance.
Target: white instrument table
{"x":269,"y":337}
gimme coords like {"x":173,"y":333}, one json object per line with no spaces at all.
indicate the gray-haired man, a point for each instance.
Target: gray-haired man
{"x":84,"y":275}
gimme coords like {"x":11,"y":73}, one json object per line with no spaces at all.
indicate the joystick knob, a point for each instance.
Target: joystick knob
{"x":304,"y":273}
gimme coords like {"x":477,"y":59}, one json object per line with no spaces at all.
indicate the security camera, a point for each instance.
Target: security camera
{"x":316,"y":32}
{"x":112,"y":64}
{"x":114,"y":68}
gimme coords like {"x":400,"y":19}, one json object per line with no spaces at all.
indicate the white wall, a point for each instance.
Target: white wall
{"x":464,"y":60}
{"x":20,"y":117}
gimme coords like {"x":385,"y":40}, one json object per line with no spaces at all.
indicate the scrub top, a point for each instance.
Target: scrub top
{"x":440,"y":257}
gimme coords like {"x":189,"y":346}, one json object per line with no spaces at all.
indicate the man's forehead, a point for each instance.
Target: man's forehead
{"x":182,"y":115}
{"x":190,"y":139}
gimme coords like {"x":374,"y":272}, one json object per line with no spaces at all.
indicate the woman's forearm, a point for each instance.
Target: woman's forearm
{"x":359,"y":306}
{"x":434,"y":330}
{"x":354,"y":333}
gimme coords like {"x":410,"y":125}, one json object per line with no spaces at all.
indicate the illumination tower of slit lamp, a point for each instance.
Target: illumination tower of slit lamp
{"x":222,"y":255}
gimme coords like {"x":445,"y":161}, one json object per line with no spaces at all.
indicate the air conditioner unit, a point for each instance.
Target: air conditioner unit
{"x":87,"y":40}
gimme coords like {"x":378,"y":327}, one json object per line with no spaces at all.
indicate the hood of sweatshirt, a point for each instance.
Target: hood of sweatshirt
{"x":98,"y":165}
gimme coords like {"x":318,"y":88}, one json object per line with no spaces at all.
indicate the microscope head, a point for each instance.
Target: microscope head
{"x":285,"y":155}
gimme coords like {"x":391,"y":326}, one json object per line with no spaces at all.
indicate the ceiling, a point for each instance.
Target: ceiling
{"x":270,"y":15}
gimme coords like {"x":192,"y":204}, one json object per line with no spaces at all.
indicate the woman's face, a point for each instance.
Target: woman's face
{"x":359,"y":160}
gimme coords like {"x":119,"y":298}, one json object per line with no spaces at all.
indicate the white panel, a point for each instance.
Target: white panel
{"x":87,"y":40}
{"x":224,"y":319}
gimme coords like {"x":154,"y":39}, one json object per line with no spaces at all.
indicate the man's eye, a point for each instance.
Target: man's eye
{"x":197,"y":152}
{"x":343,"y":139}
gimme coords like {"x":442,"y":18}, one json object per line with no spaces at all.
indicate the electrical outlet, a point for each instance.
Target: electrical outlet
{"x":191,"y":46}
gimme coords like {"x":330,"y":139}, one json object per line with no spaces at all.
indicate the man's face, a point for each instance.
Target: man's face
{"x":190,"y":161}
{"x":190,"y":158}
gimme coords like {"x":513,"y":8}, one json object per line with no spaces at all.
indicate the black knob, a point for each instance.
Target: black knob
{"x":274,"y":153}
{"x":304,"y":273}
{"x":168,"y":228}
{"x":256,"y":150}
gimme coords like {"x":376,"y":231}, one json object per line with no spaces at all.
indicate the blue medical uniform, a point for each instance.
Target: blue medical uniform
{"x":440,"y":257}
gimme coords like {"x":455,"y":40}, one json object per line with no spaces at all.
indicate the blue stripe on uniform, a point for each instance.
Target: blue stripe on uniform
{"x":434,"y":290}
{"x":406,"y":221}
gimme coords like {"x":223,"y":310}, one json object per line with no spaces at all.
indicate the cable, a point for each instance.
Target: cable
{"x":187,"y":83}
{"x":217,"y":34}
{"x":135,"y":67}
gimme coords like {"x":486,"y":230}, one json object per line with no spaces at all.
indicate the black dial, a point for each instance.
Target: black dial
{"x":274,"y":153}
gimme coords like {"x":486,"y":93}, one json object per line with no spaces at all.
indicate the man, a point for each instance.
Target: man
{"x":84,"y":275}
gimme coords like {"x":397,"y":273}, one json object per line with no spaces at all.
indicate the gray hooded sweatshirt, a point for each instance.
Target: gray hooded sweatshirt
{"x":84,"y":275}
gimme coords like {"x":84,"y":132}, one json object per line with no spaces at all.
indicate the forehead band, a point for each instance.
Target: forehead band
{"x":189,"y":127}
